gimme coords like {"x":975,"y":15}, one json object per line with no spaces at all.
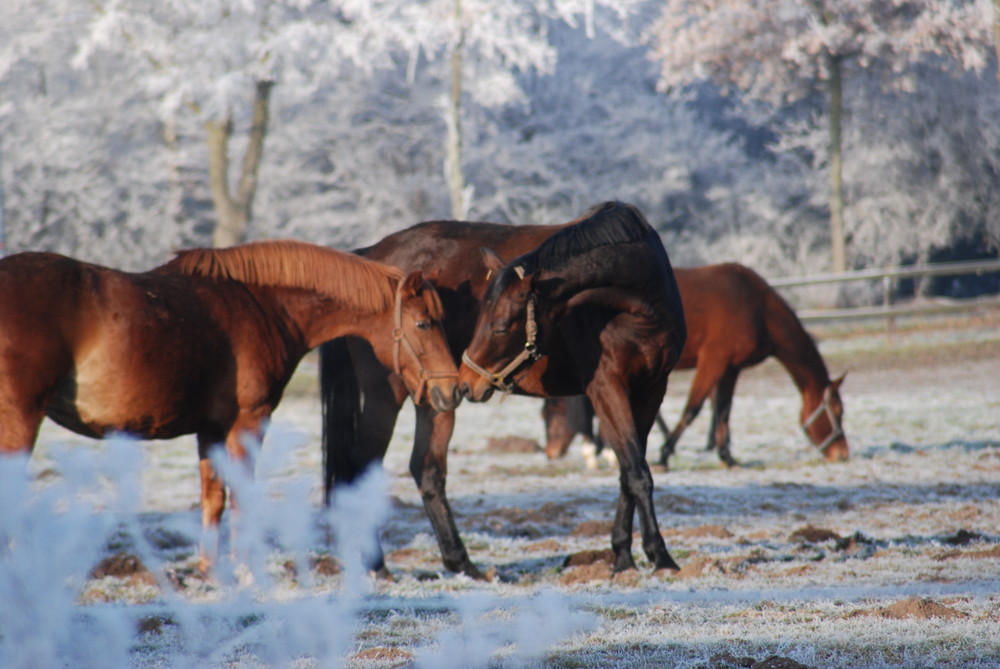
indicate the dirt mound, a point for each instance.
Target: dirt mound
{"x":384,"y":654}
{"x":119,"y":565}
{"x":597,"y":571}
{"x":813,"y":535}
{"x":592,"y":528}
{"x":512,"y":445}
{"x":607,"y":556}
{"x":915,"y":607}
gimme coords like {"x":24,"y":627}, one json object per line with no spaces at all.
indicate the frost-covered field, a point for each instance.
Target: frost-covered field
{"x":889,"y":560}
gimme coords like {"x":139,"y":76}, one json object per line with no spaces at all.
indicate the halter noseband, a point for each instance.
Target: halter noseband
{"x":399,"y":337}
{"x":837,"y":430}
{"x":529,"y":353}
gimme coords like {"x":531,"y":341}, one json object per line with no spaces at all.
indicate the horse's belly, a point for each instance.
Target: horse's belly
{"x":98,"y":404}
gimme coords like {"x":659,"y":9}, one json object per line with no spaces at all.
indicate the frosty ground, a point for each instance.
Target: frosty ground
{"x":889,"y":560}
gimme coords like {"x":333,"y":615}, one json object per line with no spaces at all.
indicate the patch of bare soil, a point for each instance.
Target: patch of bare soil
{"x":699,"y":532}
{"x":596,"y":571}
{"x":813,"y":535}
{"x":922,"y":608}
{"x":584,"y":558}
{"x":512,"y":444}
{"x":393,"y":657}
{"x":592,"y":528}
{"x":125,"y":566}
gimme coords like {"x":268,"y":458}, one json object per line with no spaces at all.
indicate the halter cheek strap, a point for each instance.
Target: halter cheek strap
{"x":399,"y":337}
{"x":529,"y":353}
{"x":825,"y":407}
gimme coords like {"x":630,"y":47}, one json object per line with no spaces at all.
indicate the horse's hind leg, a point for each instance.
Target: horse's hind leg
{"x":705,"y":377}
{"x":24,"y":397}
{"x":626,"y":427}
{"x":18,"y":427}
{"x":722,"y":402}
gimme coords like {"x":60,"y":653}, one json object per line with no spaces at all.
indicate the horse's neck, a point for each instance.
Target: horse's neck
{"x":319,"y":320}
{"x":604,"y":268}
{"x":797,"y":352}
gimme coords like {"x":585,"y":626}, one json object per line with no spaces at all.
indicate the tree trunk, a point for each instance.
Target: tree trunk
{"x":234,"y":210}
{"x":453,"y":120}
{"x":837,"y":240}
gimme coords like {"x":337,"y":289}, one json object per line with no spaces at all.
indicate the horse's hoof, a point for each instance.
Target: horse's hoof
{"x":472,"y":571}
{"x":623,"y":562}
{"x":383,"y":574}
{"x":659,"y":467}
{"x":666,"y":564}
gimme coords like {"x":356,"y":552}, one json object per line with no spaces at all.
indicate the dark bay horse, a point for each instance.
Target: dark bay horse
{"x":362,"y":398}
{"x":204,"y":344}
{"x":594,"y":309}
{"x":735,"y":320}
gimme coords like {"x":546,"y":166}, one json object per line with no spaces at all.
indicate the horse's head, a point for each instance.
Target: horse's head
{"x":504,"y":341}
{"x":822,"y":420}
{"x":420,"y":352}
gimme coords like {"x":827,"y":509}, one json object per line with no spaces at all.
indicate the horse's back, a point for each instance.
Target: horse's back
{"x":727,"y":309}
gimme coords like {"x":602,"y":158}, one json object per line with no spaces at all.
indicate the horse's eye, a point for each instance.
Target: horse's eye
{"x":502,"y":330}
{"x":423,"y":325}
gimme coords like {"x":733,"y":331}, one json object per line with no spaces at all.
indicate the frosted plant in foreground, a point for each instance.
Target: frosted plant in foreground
{"x":49,"y":539}
{"x":52,"y":534}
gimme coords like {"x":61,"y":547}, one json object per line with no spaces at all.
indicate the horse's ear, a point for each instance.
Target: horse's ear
{"x":413,"y":282}
{"x":837,"y":381}
{"x":491,"y":260}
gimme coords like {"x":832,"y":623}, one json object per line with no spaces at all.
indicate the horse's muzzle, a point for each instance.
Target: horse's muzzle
{"x":483,"y":392}
{"x":442,"y":401}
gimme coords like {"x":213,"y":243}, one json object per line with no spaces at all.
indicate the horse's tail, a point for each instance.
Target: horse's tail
{"x":341,"y":400}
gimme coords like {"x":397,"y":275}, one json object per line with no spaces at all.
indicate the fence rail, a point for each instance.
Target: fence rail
{"x":889,"y":277}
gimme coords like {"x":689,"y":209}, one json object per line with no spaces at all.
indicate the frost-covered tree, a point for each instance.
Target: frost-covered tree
{"x":220,"y":61}
{"x":924,"y":174}
{"x":82,"y":167}
{"x":781,"y":51}
{"x":485,"y":46}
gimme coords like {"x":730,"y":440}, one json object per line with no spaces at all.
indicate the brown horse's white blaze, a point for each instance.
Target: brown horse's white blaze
{"x":204,"y":344}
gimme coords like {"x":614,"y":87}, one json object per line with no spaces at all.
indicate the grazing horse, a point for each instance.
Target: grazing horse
{"x":361,"y":398}
{"x":594,"y":309}
{"x":204,"y":344}
{"x":735,"y":320}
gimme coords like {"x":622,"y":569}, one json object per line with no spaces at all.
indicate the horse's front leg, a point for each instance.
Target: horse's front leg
{"x":625,"y":428}
{"x":247,"y":428}
{"x":429,"y":467}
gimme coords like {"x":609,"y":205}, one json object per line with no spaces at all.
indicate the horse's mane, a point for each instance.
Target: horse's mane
{"x":605,"y":224}
{"x":353,"y":281}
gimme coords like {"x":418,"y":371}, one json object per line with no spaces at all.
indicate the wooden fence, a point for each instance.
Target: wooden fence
{"x":889,"y":277}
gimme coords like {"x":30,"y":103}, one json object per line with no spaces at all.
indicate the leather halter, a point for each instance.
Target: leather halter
{"x":399,"y":337}
{"x":837,"y":430}
{"x":528,"y":354}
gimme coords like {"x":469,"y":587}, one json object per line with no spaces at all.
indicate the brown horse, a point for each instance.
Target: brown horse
{"x":595,"y":309}
{"x":735,"y":320}
{"x":204,"y":344}
{"x":361,"y":399}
